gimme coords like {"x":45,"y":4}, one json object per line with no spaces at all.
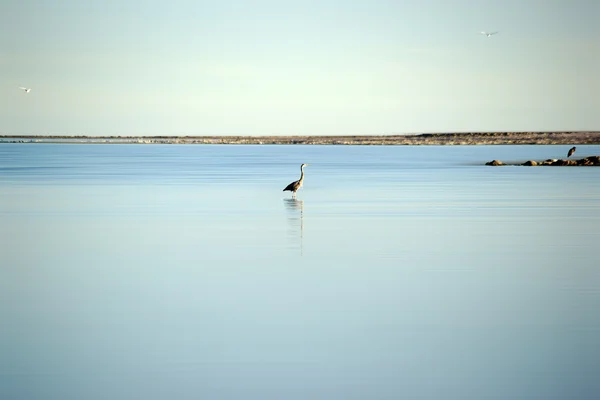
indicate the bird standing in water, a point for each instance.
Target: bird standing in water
{"x":294,"y":186}
{"x":570,"y":153}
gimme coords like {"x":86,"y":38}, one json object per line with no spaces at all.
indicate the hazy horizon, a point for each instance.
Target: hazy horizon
{"x":207,"y":68}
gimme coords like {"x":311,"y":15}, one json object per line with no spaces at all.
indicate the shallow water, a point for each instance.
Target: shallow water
{"x":183,"y":271}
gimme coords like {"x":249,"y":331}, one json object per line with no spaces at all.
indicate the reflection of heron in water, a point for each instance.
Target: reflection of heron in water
{"x":294,"y":186}
{"x":295,"y":206}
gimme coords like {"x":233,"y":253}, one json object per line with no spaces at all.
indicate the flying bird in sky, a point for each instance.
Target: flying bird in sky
{"x":488,"y":34}
{"x":27,"y":90}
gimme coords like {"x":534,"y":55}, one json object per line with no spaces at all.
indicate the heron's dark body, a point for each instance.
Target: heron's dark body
{"x":570,"y":153}
{"x":294,"y":186}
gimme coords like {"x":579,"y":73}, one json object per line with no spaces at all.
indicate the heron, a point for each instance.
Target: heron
{"x":294,"y":186}
{"x":571,"y":151}
{"x":27,"y":90}
{"x":488,"y":34}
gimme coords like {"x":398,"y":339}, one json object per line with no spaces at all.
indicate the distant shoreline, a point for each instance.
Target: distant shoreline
{"x":448,"y":139}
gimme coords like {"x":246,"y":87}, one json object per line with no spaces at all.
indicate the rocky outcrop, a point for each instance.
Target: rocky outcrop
{"x":592,"y":161}
{"x":494,"y":162}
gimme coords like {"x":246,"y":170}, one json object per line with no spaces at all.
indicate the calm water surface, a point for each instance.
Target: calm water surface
{"x":184,"y":272}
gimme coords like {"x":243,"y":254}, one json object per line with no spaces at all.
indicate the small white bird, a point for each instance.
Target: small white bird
{"x":27,"y":90}
{"x":488,"y":34}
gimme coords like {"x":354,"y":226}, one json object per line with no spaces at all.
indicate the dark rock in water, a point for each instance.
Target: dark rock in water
{"x":494,"y":162}
{"x":589,"y":161}
{"x":560,"y":162}
{"x":530,"y":163}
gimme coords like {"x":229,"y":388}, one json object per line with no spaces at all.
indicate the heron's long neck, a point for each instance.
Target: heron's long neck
{"x":301,"y":173}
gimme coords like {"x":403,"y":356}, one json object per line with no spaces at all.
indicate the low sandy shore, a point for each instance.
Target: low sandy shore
{"x":450,"y":139}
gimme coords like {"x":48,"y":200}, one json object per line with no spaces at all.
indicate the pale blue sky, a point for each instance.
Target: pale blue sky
{"x":304,"y":67}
